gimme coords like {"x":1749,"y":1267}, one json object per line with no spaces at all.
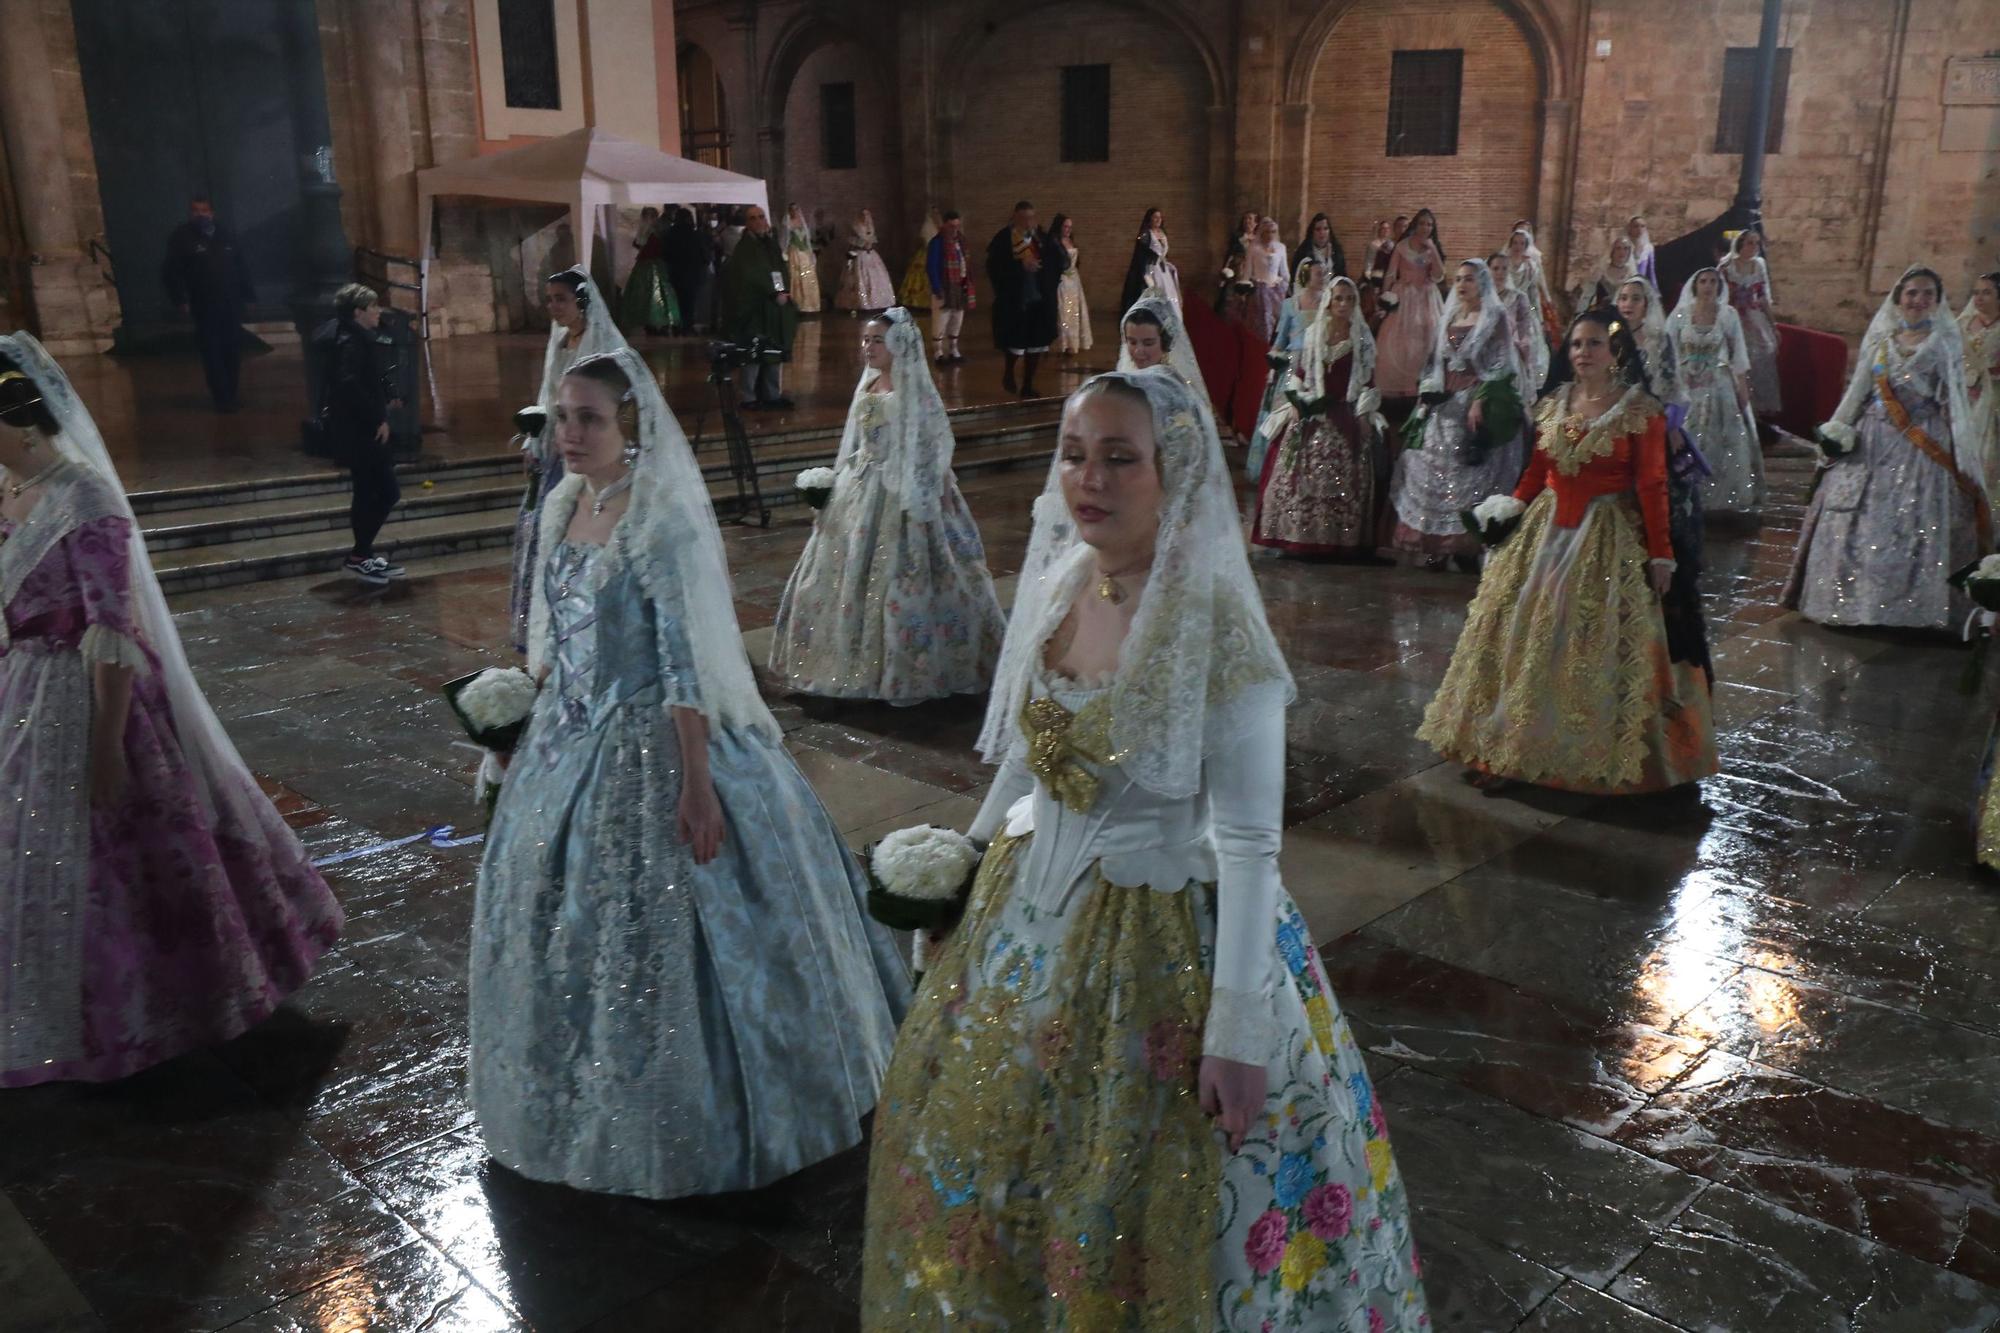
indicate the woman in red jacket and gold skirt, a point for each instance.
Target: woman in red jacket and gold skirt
{"x":1565,"y":675}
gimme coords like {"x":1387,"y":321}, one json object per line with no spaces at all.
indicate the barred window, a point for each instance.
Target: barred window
{"x":528,"y":54}
{"x":1739,"y":88}
{"x":1423,"y":103}
{"x":836,"y":126}
{"x":1086,"y":113}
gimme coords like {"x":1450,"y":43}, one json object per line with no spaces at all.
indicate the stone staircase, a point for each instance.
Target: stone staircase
{"x":217,"y":536}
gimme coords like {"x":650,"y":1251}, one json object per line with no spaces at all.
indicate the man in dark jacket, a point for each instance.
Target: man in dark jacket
{"x":206,"y":279}
{"x":356,"y":416}
{"x":756,"y":307}
{"x":1024,"y":264}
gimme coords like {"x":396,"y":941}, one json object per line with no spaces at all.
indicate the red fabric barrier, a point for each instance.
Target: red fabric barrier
{"x":1232,"y":364}
{"x":1812,"y":374}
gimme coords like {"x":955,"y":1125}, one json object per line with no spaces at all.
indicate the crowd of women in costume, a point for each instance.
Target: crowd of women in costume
{"x":1123,"y":1094}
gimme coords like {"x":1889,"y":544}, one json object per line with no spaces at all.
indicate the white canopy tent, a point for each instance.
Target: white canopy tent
{"x":586,"y":169}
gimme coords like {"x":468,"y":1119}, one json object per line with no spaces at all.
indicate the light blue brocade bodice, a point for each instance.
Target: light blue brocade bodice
{"x":611,"y":646}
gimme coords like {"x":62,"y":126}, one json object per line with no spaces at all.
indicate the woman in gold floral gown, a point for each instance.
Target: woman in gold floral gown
{"x":1129,"y":965}
{"x":1564,"y":675}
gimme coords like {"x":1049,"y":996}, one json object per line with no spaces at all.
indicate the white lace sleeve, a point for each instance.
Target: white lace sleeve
{"x":1859,"y":385}
{"x":1010,"y":784}
{"x":1246,"y":789}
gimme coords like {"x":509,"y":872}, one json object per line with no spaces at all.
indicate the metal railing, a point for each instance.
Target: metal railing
{"x":374,"y":267}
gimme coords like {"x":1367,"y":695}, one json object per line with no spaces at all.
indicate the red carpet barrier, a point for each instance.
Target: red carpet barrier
{"x":1812,"y":374}
{"x":1232,"y":363}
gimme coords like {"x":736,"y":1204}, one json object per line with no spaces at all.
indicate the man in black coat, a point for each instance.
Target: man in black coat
{"x":355,"y":394}
{"x":1024,"y":264}
{"x":206,"y":279}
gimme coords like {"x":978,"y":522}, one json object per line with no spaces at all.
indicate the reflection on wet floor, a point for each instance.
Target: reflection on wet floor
{"x":1727,"y":1063}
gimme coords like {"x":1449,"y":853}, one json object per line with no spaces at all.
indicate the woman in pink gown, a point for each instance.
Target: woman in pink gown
{"x":1405,"y":339}
{"x":151,"y":899}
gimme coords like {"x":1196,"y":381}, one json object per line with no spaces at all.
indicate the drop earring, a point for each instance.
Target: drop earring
{"x":631,"y":454}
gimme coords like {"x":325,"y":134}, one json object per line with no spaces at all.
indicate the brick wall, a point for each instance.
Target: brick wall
{"x":873,"y":182}
{"x":1648,"y":133}
{"x":1476,"y":194}
{"x":1008,"y":141}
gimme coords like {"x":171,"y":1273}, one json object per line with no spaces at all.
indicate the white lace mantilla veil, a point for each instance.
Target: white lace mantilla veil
{"x":1199,"y":645}
{"x":1180,"y":352}
{"x":1948,"y":340}
{"x":1726,"y":318}
{"x":669,"y":539}
{"x":1642,"y":249}
{"x":920,"y":435}
{"x":1493,"y":321}
{"x":1615,"y":276}
{"x":1652,"y":338}
{"x":600,"y":334}
{"x":1732,"y":259}
{"x":209,"y":752}
{"x":1324,"y":345}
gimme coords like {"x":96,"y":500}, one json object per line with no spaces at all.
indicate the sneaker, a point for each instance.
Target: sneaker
{"x":373,"y":569}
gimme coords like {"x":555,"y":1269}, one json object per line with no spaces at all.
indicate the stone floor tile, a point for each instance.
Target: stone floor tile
{"x":1530,"y":1051}
{"x":1956,"y":907}
{"x":35,"y":1292}
{"x":1577,"y":1308}
{"x":1732,"y":1261}
{"x":411,"y":1290}
{"x":750,"y":1289}
{"x":1564,"y":1199}
{"x":1473,"y":1285}
{"x":1928,"y":1190}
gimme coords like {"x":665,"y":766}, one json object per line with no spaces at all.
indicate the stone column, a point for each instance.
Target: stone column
{"x":60,"y":278}
{"x":384,"y":31}
{"x":771,"y":151}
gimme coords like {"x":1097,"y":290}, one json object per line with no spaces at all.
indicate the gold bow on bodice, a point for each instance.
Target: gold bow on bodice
{"x":1059,"y":742}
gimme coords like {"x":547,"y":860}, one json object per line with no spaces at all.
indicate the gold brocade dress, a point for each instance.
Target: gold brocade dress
{"x":1041,"y":1160}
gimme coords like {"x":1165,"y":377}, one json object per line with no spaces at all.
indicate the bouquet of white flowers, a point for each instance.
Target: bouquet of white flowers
{"x":1493,"y":519}
{"x":1836,"y":439}
{"x":493,"y":707}
{"x":919,"y":878}
{"x":1981,"y":582}
{"x":815,"y":484}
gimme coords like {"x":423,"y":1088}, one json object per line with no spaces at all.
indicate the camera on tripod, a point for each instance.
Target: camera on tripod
{"x":726,"y":358}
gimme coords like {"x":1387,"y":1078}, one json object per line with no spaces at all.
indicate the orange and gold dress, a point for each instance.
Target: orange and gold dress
{"x":1563,"y":676}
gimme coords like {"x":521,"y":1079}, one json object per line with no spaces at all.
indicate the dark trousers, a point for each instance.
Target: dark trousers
{"x":375,"y":493}
{"x":221,"y":339}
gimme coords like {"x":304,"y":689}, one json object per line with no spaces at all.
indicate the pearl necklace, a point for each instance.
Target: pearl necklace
{"x":15,"y":489}
{"x":599,"y":499}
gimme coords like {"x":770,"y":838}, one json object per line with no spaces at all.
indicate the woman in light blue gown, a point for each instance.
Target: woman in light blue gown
{"x":891,"y":599}
{"x":675,"y":988}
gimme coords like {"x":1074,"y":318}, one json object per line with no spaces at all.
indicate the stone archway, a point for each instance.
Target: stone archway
{"x":814,"y":47}
{"x":1514,"y":111}
{"x":998,"y":130}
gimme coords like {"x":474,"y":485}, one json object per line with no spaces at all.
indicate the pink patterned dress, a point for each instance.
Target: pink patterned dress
{"x":176,"y":918}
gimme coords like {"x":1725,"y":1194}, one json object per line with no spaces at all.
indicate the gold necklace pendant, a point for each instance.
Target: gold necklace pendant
{"x":1108,"y":589}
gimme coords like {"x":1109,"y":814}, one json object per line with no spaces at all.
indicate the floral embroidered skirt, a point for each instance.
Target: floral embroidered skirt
{"x":1041,"y":1161}
{"x":1562,"y":675}
{"x":1318,"y":492}
{"x":1986,"y":814}
{"x":884,"y":606}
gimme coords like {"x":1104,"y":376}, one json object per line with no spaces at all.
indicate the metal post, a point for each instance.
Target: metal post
{"x":1748,"y":208}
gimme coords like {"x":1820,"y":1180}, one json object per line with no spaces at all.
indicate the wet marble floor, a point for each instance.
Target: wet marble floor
{"x":1720,"y":1064}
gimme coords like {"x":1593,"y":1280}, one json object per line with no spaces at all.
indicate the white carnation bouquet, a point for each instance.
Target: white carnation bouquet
{"x":1836,"y":439}
{"x":919,"y":878}
{"x":1493,"y":519}
{"x":493,"y":706}
{"x":1981,"y":582}
{"x":815,"y":484}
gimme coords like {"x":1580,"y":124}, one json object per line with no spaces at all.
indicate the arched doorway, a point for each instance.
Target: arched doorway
{"x":704,"y":112}
{"x":1476,"y":192}
{"x":1002,"y":136}
{"x":841,"y":152}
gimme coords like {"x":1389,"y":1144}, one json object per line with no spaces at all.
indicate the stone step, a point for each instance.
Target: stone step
{"x":200,"y":547}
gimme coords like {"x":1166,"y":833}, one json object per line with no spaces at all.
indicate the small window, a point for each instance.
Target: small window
{"x":528,"y":54}
{"x":1086,"y":113}
{"x":1423,"y":103}
{"x":836,"y":126}
{"x":1739,"y":86}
